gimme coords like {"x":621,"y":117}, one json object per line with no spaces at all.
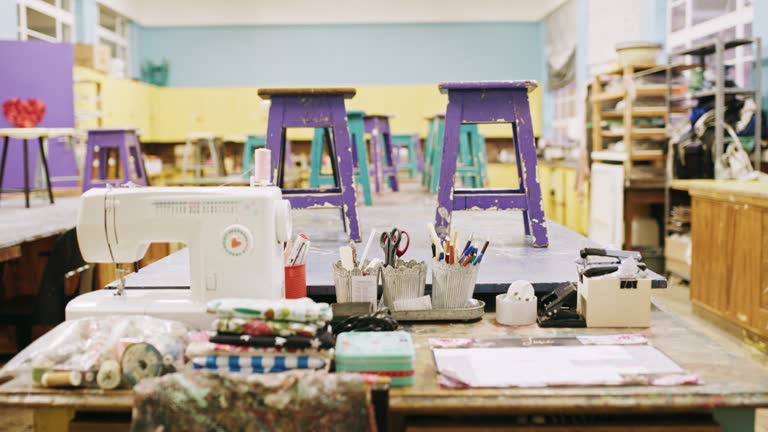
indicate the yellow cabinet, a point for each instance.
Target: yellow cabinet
{"x":562,"y":202}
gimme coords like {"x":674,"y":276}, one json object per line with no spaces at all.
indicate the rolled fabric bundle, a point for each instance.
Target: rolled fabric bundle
{"x":323,"y":340}
{"x":265,"y":328}
{"x":268,"y":363}
{"x":202,"y":349}
{"x":299,"y":310}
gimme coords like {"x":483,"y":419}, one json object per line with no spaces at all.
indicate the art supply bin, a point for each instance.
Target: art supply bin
{"x":614,"y":302}
{"x":452,"y":285}
{"x":343,"y":280}
{"x":388,"y":354}
{"x":407,"y":280}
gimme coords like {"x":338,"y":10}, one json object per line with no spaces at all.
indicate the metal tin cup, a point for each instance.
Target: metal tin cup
{"x":405,"y":281}
{"x":342,"y":278}
{"x":452,"y":285}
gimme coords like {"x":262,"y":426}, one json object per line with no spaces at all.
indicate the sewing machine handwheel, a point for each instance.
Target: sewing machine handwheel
{"x":283,"y":225}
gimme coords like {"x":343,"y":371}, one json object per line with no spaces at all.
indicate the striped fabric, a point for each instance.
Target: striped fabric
{"x":257,"y":364}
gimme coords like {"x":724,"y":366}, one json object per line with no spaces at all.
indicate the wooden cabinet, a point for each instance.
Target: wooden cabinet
{"x":729,"y":271}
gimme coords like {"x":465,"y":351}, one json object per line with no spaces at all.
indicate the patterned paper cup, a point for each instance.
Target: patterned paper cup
{"x":452,"y":285}
{"x":406,"y":281}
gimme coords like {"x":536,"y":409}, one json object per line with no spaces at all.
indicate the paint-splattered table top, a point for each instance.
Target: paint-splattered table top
{"x":730,"y":379}
{"x":20,"y":225}
{"x":267,"y":93}
{"x":509,"y":256}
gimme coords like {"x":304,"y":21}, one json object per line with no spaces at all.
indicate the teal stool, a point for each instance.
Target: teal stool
{"x":411,"y":142}
{"x":434,"y":136}
{"x":251,"y":143}
{"x":359,"y":157}
{"x":472,"y":162}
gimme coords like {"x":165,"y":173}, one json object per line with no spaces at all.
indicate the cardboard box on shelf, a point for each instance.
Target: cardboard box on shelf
{"x":94,"y":56}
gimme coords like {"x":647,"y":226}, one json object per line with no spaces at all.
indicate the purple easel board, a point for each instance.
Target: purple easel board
{"x":42,"y":70}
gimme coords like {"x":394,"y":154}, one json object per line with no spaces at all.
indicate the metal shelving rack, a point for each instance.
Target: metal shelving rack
{"x":700,"y":51}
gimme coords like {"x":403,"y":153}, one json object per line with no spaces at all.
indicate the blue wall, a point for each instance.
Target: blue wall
{"x":8,"y":20}
{"x":345,"y":54}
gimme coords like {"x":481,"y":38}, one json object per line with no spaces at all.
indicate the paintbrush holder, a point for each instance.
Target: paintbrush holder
{"x":351,"y":285}
{"x":452,"y":285}
{"x":407,"y":280}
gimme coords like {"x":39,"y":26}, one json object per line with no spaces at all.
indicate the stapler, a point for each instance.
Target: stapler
{"x":558,"y":308}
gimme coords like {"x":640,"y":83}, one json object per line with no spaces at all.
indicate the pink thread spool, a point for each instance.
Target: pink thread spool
{"x":261,"y":167}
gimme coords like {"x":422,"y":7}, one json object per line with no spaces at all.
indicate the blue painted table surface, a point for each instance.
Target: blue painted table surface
{"x":20,"y":225}
{"x":509,"y":257}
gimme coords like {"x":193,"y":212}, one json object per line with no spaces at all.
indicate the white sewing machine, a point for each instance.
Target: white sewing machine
{"x":234,"y":235}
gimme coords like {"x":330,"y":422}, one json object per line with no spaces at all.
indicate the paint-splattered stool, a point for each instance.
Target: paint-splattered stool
{"x":491,"y":102}
{"x":359,"y":153}
{"x":382,"y":151}
{"x":412,"y":143}
{"x":124,"y":146}
{"x":315,"y":108}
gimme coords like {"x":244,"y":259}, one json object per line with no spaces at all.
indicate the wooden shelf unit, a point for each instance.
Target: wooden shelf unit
{"x":630,"y":133}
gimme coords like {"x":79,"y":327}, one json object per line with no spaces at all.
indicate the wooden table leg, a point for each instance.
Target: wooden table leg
{"x":53,"y":419}
{"x":629,"y":215}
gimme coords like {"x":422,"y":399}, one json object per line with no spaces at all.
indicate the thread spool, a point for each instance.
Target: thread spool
{"x":62,"y":379}
{"x":139,"y":361}
{"x":262,"y":162}
{"x":109,"y":375}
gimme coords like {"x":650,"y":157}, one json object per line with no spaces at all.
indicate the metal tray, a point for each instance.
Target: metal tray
{"x":468,"y":314}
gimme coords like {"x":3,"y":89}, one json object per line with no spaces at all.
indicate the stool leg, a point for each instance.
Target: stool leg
{"x":524,"y":143}
{"x":521,"y":185}
{"x":26,"y":173}
{"x":185,"y":157}
{"x":330,"y":143}
{"x":389,"y":154}
{"x":375,"y":155}
{"x":214,"y":156}
{"x":447,"y":164}
{"x":345,"y":175}
{"x":2,"y":162}
{"x":437,"y":155}
{"x":316,"y":158}
{"x":45,"y":169}
{"x":88,"y":164}
{"x":275,"y":136}
{"x":413,"y":162}
{"x":364,"y":178}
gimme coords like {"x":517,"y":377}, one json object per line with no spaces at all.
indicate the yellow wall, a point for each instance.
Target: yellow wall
{"x":168,"y":114}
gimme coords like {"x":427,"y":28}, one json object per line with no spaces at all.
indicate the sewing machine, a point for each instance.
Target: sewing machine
{"x":235,"y":237}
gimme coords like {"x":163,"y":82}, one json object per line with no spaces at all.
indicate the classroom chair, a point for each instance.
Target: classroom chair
{"x":126,"y":148}
{"x":491,"y":102}
{"x":316,"y":108}
{"x":24,"y":135}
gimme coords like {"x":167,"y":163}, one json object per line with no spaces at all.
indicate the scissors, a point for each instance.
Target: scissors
{"x":390,"y":244}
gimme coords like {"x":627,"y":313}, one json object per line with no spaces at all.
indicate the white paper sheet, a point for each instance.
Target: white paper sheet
{"x":550,"y":365}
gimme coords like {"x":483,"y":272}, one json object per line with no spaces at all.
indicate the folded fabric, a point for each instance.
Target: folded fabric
{"x":265,"y":328}
{"x":323,"y":340}
{"x":294,"y":401}
{"x":258,"y":364}
{"x":300,"y":310}
{"x":201,"y":349}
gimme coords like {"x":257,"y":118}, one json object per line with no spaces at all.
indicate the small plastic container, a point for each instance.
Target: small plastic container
{"x":407,"y":280}
{"x":343,"y":278}
{"x":515,"y":313}
{"x":452,"y":285}
{"x":296,"y":282}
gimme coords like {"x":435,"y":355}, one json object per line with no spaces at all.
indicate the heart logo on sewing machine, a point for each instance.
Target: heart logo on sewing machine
{"x":235,"y":243}
{"x":24,"y":113}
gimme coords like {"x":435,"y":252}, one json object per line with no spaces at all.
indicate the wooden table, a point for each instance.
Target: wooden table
{"x":734,"y":385}
{"x":729,"y":235}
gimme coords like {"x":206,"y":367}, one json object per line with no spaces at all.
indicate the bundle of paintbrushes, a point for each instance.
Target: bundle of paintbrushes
{"x":295,"y":252}
{"x":262,"y":336}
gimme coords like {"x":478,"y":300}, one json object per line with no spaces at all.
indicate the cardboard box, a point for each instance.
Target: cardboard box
{"x":613,"y":302}
{"x":94,"y":56}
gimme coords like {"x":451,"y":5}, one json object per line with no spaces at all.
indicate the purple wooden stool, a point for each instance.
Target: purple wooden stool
{"x":125,"y":144}
{"x":315,"y":108}
{"x":491,"y":102}
{"x":384,"y":165}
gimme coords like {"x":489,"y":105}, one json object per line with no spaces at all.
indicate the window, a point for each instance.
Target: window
{"x":694,"y":21}
{"x":113,"y":32}
{"x":45,"y":20}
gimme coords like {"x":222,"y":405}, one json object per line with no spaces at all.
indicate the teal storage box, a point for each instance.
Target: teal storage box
{"x":382,"y":353}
